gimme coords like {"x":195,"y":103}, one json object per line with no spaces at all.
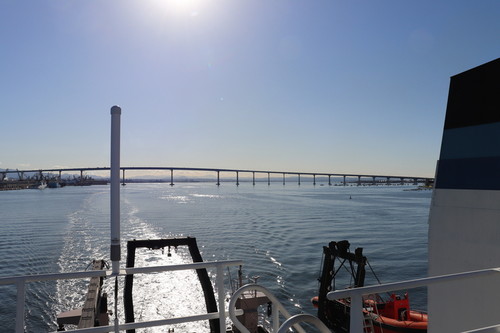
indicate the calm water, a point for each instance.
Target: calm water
{"x":277,"y":230}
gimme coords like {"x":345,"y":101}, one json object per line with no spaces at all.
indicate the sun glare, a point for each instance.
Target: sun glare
{"x":182,"y":7}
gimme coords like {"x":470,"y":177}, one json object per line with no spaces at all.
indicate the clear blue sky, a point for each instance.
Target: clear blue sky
{"x":295,"y":85}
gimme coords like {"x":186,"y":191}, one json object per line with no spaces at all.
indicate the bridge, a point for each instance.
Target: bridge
{"x":346,"y":178}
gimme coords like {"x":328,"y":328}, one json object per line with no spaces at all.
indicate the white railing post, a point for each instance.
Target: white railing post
{"x":276,"y":317}
{"x":21,"y":300}
{"x":221,"y":294}
{"x":357,"y":318}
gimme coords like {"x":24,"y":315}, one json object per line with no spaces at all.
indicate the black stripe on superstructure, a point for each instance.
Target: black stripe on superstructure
{"x":473,"y":100}
{"x":469,"y":174}
{"x":474,"y":97}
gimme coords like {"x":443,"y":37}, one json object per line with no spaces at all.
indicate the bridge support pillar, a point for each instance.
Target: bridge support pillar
{"x":314,"y":180}
{"x":171,"y":177}
{"x":218,"y":178}
{"x":253,"y":178}
{"x":359,"y":180}
{"x":329,"y":180}
{"x":299,"y":179}
{"x":344,"y":181}
{"x":268,"y":179}
{"x":237,"y":179}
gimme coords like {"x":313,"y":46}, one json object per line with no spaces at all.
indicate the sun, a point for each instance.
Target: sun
{"x":183,"y":4}
{"x":182,"y":7}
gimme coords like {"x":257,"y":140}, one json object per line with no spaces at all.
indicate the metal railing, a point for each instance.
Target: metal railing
{"x":277,"y":308}
{"x":303,"y":318}
{"x":489,"y":329}
{"x":20,"y":283}
{"x":356,"y":294}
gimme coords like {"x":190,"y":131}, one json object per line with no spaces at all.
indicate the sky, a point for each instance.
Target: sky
{"x":286,"y":85}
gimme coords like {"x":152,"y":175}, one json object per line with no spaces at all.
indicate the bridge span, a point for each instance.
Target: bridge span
{"x":345,"y":177}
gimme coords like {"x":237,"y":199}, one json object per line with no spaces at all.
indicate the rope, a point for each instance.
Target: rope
{"x":373,"y":272}
{"x":230,"y":280}
{"x":91,"y":263}
{"x":321,"y":266}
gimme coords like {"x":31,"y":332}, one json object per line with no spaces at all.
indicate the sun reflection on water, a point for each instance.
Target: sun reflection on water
{"x":168,"y":294}
{"x":155,"y":296}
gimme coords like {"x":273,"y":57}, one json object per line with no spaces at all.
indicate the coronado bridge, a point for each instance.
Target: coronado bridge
{"x":272,"y":176}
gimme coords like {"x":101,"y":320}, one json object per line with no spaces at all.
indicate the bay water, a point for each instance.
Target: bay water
{"x":278,"y":231}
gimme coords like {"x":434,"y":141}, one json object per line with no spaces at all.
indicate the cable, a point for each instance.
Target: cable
{"x":376,"y":277}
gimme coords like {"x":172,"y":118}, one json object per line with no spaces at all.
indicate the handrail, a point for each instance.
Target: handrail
{"x":153,"y":323}
{"x":489,"y":329}
{"x":277,"y":307}
{"x":303,"y":318}
{"x":123,"y":272}
{"x":20,"y":283}
{"x":356,"y":294}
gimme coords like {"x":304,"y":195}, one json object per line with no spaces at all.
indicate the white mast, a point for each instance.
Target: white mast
{"x":115,"y":189}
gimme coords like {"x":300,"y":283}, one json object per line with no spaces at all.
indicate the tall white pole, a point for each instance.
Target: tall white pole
{"x":115,"y":189}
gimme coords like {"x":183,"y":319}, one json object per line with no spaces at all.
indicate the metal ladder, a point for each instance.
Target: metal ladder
{"x":368,"y":324}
